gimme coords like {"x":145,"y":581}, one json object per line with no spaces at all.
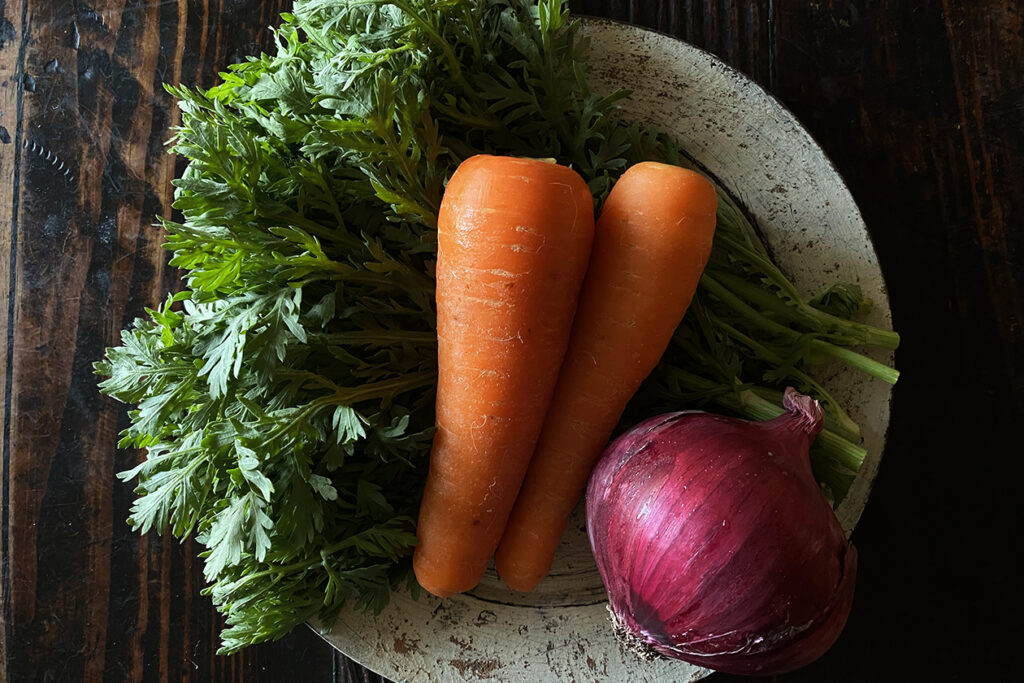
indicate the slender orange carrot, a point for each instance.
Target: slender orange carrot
{"x":652,"y":242}
{"x":513,"y":244}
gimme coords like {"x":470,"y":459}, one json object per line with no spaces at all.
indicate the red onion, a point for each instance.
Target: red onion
{"x":716,"y":544}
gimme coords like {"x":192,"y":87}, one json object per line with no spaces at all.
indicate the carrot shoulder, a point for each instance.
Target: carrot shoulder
{"x":652,"y":242}
{"x":514,"y":239}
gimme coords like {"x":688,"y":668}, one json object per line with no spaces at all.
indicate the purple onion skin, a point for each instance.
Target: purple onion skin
{"x":715,"y":543}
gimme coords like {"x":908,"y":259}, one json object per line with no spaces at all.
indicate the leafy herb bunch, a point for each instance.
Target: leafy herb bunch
{"x":285,"y":397}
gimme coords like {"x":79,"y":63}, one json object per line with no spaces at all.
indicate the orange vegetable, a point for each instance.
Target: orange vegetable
{"x":652,"y":242}
{"x":513,"y":243}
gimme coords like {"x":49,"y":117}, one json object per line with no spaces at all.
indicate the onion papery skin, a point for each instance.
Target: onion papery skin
{"x":715,"y":543}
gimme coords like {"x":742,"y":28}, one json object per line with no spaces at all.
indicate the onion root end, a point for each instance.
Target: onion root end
{"x":630,"y":640}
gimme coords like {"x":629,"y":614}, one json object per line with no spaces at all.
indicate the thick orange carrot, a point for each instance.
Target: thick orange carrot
{"x":513,"y":244}
{"x":652,"y":242}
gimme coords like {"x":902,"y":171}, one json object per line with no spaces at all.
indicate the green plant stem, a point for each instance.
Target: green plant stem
{"x":818,"y":346}
{"x":752,"y":405}
{"x":844,"y":424}
{"x":804,"y":314}
{"x":376,"y":338}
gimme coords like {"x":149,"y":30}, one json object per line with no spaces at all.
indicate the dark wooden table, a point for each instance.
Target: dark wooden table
{"x":919,"y":104}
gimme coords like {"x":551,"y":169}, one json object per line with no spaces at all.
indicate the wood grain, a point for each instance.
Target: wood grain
{"x":84,"y":598}
{"x":918,"y":104}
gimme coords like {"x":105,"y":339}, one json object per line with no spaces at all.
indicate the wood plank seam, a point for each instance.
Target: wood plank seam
{"x":7,"y":628}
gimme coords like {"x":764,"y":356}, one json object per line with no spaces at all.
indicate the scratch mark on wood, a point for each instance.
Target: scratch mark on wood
{"x":50,"y":158}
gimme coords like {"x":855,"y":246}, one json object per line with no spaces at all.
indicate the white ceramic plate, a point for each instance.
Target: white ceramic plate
{"x":758,"y":151}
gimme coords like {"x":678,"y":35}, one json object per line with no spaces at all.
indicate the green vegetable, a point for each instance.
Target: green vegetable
{"x":285,"y":396}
